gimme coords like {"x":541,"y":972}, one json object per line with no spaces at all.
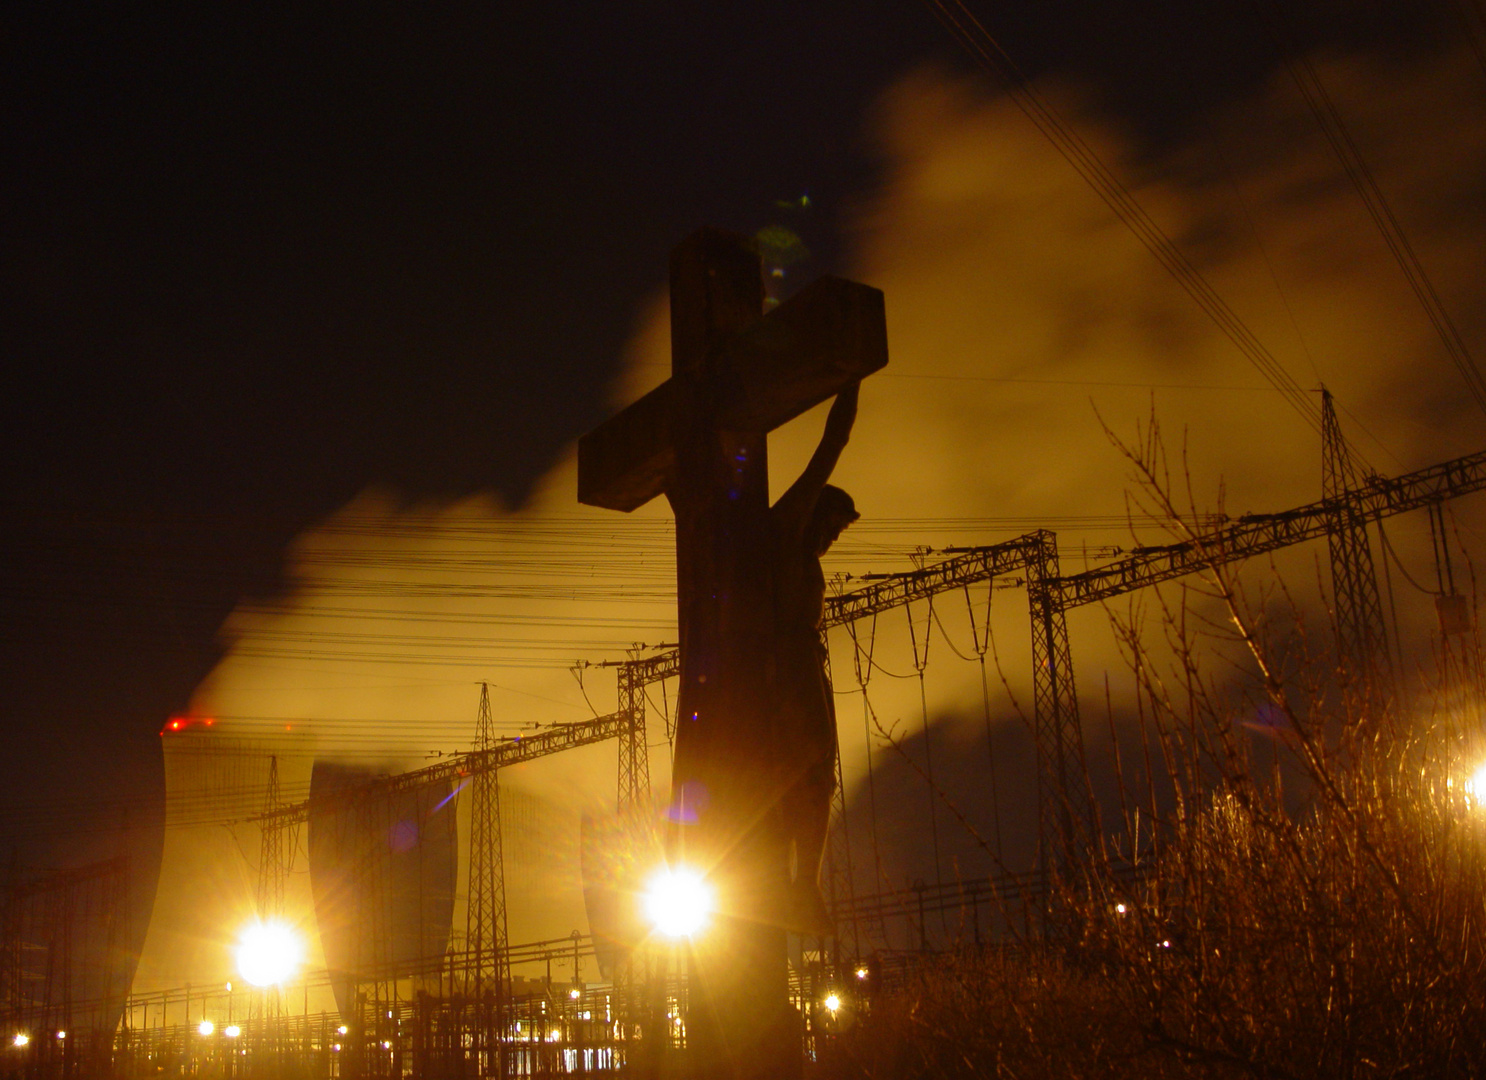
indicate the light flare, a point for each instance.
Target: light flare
{"x":269,"y":953}
{"x":677,"y":902}
{"x":1475,"y":786}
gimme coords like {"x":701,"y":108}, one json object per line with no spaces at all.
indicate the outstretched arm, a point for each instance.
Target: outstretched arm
{"x":798,"y":503}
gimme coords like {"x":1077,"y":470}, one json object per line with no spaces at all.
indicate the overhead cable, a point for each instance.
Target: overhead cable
{"x":972,"y":34}
{"x":1329,"y":118}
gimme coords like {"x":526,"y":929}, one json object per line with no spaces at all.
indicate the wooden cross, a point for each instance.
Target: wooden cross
{"x":765,"y":371}
{"x":701,"y":440}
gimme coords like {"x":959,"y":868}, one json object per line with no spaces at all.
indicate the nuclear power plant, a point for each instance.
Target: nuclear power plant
{"x":363,"y":930}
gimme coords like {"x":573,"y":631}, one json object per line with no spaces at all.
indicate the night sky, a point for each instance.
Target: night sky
{"x":259,"y":257}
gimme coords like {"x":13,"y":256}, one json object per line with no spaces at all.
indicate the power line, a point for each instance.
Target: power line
{"x":972,"y":34}
{"x":1329,"y":118}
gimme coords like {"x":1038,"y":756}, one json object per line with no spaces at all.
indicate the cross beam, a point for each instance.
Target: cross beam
{"x":505,"y":753}
{"x":829,"y":335}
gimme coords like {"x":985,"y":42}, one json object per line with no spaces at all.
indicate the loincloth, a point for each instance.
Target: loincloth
{"x":803,"y":707}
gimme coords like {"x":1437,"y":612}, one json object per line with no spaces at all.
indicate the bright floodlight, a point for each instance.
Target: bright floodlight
{"x":206,"y":1027}
{"x":21,"y":1039}
{"x":833,"y":1002}
{"x":268,"y":954}
{"x":232,"y":1031}
{"x":677,"y":902}
{"x":1475,"y":787}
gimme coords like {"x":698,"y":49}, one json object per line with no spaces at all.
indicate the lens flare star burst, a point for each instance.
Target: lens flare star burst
{"x":677,"y":902}
{"x":269,"y":953}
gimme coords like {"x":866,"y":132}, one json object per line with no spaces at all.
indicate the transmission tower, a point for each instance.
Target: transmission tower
{"x":1361,"y":639}
{"x":65,"y":969}
{"x":634,"y":753}
{"x":1063,"y":815}
{"x":488,"y":975}
{"x":273,"y":866}
{"x":273,"y":870}
{"x":840,"y":890}
{"x":12,"y":977}
{"x":1058,"y":733}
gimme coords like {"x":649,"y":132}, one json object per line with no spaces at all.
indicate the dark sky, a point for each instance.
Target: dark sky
{"x":257,"y":257}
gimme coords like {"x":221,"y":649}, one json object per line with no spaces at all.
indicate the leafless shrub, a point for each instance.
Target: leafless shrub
{"x":1234,"y":929}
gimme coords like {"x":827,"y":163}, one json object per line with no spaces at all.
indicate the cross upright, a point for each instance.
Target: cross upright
{"x":701,"y":440}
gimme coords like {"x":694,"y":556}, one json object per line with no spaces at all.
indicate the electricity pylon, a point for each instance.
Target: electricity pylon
{"x":1361,"y":638}
{"x":487,"y":978}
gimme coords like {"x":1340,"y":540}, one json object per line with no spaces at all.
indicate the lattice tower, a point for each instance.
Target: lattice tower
{"x":1062,"y":819}
{"x":273,"y":864}
{"x":273,"y":871}
{"x":12,"y":979}
{"x":840,"y":888}
{"x":488,"y":973}
{"x":633,"y":977}
{"x":634,"y":754}
{"x":1361,"y":637}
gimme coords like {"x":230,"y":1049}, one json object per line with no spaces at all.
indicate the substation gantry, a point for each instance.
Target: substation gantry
{"x":65,"y":962}
{"x":1347,"y":508}
{"x":487,"y":943}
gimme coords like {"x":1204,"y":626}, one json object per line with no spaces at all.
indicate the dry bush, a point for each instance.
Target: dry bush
{"x":1331,"y":925}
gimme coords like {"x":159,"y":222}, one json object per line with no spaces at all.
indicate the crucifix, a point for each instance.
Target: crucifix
{"x":701,"y":440}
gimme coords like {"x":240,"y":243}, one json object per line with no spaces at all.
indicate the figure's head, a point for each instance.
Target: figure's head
{"x":834,"y":510}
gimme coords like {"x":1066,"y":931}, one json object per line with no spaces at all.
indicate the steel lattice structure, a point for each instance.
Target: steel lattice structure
{"x":1347,"y":506}
{"x":634,"y":754}
{"x":65,"y":967}
{"x":1258,"y":534}
{"x":273,"y":865}
{"x":488,"y":974}
{"x":1361,"y":639}
{"x":511,"y":751}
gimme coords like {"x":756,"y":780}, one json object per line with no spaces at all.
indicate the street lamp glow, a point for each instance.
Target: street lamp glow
{"x":206,"y":1027}
{"x":833,"y":1002}
{"x":232,"y":1031}
{"x":1475,"y":787}
{"x":21,"y":1039}
{"x":268,"y":953}
{"x":677,"y":902}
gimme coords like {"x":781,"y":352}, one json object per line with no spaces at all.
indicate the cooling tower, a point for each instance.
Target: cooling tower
{"x":383,"y":863}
